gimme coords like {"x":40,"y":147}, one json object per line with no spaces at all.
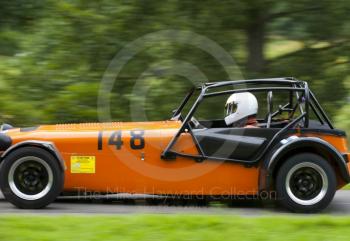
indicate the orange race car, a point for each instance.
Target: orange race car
{"x":273,"y":137}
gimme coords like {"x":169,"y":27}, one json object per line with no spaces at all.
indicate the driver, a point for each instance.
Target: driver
{"x":241,"y":110}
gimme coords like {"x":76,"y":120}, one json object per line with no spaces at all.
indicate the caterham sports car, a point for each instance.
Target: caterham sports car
{"x":228,"y":138}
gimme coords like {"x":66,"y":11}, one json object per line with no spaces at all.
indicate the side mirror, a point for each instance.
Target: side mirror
{"x":176,"y":118}
{"x":269,"y":108}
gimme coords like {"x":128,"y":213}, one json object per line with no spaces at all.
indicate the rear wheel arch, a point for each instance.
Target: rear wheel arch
{"x":302,"y":145}
{"x":305,"y":183}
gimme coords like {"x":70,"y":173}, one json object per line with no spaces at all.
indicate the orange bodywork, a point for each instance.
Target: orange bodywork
{"x":119,"y":168}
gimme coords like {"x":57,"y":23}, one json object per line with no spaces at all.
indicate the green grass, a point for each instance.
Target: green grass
{"x":347,"y":187}
{"x":174,"y":227}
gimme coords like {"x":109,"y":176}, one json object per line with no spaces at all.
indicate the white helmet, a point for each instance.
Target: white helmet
{"x":240,"y":106}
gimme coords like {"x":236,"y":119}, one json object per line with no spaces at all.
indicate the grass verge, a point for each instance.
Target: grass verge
{"x":174,"y":227}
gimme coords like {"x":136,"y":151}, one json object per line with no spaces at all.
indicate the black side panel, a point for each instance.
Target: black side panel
{"x":334,"y":132}
{"x":233,"y":143}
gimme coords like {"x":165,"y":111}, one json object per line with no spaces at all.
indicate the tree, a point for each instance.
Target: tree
{"x":61,"y":50}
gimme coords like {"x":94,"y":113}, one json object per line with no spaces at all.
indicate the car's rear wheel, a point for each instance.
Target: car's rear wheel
{"x":31,"y":178}
{"x":305,"y":183}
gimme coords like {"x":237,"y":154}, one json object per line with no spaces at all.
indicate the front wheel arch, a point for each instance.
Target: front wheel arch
{"x":45,"y":145}
{"x":31,"y":177}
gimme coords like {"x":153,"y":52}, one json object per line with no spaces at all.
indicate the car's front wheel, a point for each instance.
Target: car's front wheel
{"x":31,"y":178}
{"x":305,"y":183}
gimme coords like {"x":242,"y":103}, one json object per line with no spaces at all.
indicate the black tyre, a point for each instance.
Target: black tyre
{"x":31,"y":178}
{"x":305,"y":183}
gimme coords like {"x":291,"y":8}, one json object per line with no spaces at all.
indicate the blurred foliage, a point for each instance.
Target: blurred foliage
{"x":54,"y":54}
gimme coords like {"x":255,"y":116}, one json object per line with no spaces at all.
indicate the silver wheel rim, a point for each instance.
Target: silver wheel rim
{"x":322,"y":192}
{"x":17,"y":191}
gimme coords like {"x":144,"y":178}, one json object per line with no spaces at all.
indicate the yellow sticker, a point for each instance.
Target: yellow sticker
{"x":82,"y":164}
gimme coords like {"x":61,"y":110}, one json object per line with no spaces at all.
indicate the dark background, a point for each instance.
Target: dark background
{"x":53,"y":54}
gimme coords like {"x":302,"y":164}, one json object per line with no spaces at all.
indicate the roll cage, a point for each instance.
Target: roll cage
{"x":296,"y":88}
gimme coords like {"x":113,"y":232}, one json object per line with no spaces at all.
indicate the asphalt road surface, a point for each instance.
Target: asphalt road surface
{"x":131,"y":205}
